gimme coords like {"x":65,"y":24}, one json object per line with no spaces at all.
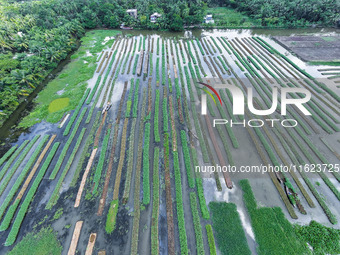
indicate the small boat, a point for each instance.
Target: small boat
{"x":107,"y":107}
{"x":122,"y":26}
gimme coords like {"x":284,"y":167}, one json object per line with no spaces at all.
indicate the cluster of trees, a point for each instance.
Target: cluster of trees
{"x":36,"y":35}
{"x":292,"y":13}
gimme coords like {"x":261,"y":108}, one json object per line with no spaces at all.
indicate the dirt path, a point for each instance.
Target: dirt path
{"x":75,"y":238}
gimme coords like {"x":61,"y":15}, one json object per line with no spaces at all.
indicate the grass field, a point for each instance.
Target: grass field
{"x":71,"y":82}
{"x":227,"y":17}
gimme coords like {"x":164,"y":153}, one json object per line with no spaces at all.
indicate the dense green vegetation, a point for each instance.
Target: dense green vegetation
{"x":273,"y":232}
{"x":228,"y":228}
{"x":36,"y":35}
{"x":324,"y":240}
{"x":41,"y":243}
{"x":289,"y":13}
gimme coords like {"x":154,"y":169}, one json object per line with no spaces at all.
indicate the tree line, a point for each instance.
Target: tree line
{"x":36,"y":35}
{"x":288,"y":13}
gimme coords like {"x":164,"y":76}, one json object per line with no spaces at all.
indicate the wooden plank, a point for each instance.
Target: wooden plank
{"x":35,"y":168}
{"x":90,"y":245}
{"x":75,"y":238}
{"x":83,"y":181}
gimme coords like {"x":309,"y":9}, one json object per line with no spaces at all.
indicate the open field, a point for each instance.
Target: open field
{"x":120,"y":175}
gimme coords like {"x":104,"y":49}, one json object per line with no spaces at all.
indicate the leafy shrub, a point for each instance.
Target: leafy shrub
{"x":227,"y":224}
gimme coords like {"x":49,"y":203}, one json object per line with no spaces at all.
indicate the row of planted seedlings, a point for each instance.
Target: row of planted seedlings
{"x":114,"y":204}
{"x":286,"y":64}
{"x":262,"y":156}
{"x":204,"y":209}
{"x":137,"y":186}
{"x":315,"y":105}
{"x":259,"y":84}
{"x":193,"y":201}
{"x":295,"y":157}
{"x":28,"y":178}
{"x":271,"y":50}
{"x":318,"y":153}
{"x":312,"y":104}
{"x":17,"y":183}
{"x":132,"y":99}
{"x":191,"y":181}
{"x":23,"y":210}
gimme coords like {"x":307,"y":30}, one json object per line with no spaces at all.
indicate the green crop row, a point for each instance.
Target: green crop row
{"x":100,"y":165}
{"x":129,"y":162}
{"x":119,"y":66}
{"x":155,"y":204}
{"x":320,"y":84}
{"x":157,"y":46}
{"x":200,"y":47}
{"x":182,"y":52}
{"x":19,"y":180}
{"x":228,"y":228}
{"x":146,"y":165}
{"x":67,"y":146}
{"x":151,"y":64}
{"x":7,"y":154}
{"x":199,"y":186}
{"x":17,"y":163}
{"x":296,"y":158}
{"x":156,"y":118}
{"x":163,"y":65}
{"x":197,"y":224}
{"x":55,"y":194}
{"x":179,"y":205}
{"x":135,"y":100}
{"x":88,"y":119}
{"x":311,"y":159}
{"x":225,"y":47}
{"x":211,"y":240}
{"x":93,"y":91}
{"x":273,"y":232}
{"x":178,"y":90}
{"x":223,"y":64}
{"x":165,"y":115}
{"x":187,"y":159}
{"x":218,"y":47}
{"x":84,"y":154}
{"x":135,"y":64}
{"x":140,"y":43}
{"x":12,"y":158}
{"x":224,"y":116}
{"x":125,"y":63}
{"x":199,"y":134}
{"x":12,"y":209}
{"x":191,"y":55}
{"x":219,"y":65}
{"x":226,"y":145}
{"x":29,"y":197}
{"x":111,"y":217}
{"x":192,"y":99}
{"x":238,"y":64}
{"x":315,"y":150}
{"x":157,"y":70}
{"x":254,"y":63}
{"x":212,"y":46}
{"x":75,"y":113}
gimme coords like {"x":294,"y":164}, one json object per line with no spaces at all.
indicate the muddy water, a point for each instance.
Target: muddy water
{"x":9,"y":133}
{"x":119,"y":242}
